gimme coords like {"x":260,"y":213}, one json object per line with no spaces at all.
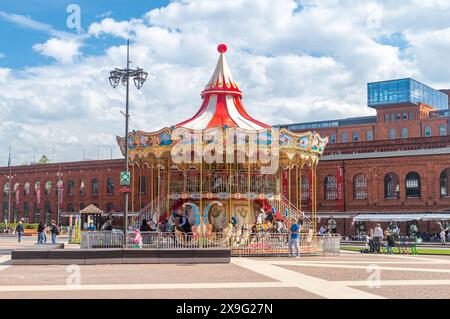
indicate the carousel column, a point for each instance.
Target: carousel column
{"x":229,"y":191}
{"x":151,"y":192}
{"x":140,"y":188}
{"x":168,"y":185}
{"x":132,"y":188}
{"x":248,"y":187}
{"x":296,"y":187}
{"x":314,"y":208}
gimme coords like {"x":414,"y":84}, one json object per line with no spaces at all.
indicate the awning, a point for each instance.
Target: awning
{"x":401,"y":217}
{"x":387,"y":217}
{"x":437,"y":217}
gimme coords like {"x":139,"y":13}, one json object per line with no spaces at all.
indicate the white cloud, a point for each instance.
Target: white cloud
{"x":295,"y":61}
{"x":62,"y":50}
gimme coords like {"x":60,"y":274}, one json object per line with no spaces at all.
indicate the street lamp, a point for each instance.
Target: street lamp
{"x":123,"y":76}
{"x":59,"y":195}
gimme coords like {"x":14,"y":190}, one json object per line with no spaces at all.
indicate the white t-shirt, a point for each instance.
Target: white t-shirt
{"x":377,"y":232}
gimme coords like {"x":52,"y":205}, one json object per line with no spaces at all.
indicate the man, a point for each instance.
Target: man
{"x":294,"y":239}
{"x":19,"y":231}
{"x":54,"y":230}
{"x":377,"y":238}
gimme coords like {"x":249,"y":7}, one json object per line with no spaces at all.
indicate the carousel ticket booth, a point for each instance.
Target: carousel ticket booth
{"x":228,"y":165}
{"x":91,"y":218}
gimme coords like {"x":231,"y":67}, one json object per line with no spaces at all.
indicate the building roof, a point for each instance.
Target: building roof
{"x":419,"y":152}
{"x":330,"y":123}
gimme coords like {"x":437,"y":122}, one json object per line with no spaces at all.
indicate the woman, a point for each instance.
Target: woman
{"x":40,"y":230}
{"x":370,"y":241}
{"x":54,"y":230}
{"x":390,"y":241}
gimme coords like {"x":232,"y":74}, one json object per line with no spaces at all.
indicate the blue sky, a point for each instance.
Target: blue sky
{"x":295,"y":61}
{"x":17,"y":40}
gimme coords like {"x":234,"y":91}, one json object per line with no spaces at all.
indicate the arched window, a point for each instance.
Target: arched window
{"x":110,"y":185}
{"x":344,"y":138}
{"x":109,"y":207}
{"x":330,"y":184}
{"x":305,"y":188}
{"x":445,"y":183}
{"x":391,"y":186}
{"x":369,"y":135}
{"x":355,"y":137}
{"x":16,"y":186}
{"x":442,"y":130}
{"x":412,"y":185}
{"x":26,"y":210}
{"x":404,"y":132}
{"x":37,"y":186}
{"x":427,"y":130}
{"x":26,"y":189}
{"x":360,"y":187}
{"x":333,"y":138}
{"x":70,"y":208}
{"x":70,"y":187}
{"x":386,"y":117}
{"x":82,"y":206}
{"x":392,"y":134}
{"x":94,"y":187}
{"x":6,"y":189}
{"x":82,"y":188}
{"x":48,"y":188}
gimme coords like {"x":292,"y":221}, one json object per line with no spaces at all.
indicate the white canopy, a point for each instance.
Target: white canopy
{"x":401,"y":217}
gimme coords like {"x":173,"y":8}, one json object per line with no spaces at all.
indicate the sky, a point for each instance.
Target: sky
{"x":295,"y":61}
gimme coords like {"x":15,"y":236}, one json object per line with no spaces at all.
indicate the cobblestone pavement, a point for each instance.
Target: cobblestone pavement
{"x":349,"y":275}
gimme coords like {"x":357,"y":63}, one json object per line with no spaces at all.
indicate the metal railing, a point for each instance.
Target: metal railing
{"x":246,"y":244}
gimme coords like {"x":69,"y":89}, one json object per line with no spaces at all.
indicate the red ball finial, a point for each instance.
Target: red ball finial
{"x":222,"y":48}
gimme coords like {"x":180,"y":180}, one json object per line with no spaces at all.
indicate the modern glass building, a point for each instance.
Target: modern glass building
{"x":404,"y":91}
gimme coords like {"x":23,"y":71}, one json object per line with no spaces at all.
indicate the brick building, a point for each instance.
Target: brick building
{"x":397,"y":161}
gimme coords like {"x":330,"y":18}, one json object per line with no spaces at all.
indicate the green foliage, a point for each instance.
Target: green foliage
{"x":44,"y":159}
{"x":25,"y":226}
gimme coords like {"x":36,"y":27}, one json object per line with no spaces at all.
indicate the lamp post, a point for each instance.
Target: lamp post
{"x":123,"y":76}
{"x":59,"y":195}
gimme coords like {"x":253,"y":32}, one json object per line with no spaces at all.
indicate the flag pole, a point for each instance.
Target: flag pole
{"x":9,"y":183}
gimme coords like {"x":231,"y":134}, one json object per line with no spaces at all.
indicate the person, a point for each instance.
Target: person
{"x":144,"y":226}
{"x":377,"y":238}
{"x":183,"y":223}
{"x":321,"y":230}
{"x":390,"y":241}
{"x":54,"y":230}
{"x":40,"y":230}
{"x":294,"y":240}
{"x":107,"y":225}
{"x":19,"y":231}
{"x":442,"y":235}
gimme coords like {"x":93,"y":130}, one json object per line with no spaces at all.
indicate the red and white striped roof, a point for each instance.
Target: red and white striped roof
{"x":222,"y":105}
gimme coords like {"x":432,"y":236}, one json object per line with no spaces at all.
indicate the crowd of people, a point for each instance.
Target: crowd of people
{"x":376,"y":238}
{"x":42,"y":231}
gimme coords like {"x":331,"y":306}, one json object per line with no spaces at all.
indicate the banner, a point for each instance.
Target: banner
{"x":340,"y":188}
{"x":60,"y":191}
{"x":37,"y":188}
{"x":17,"y":197}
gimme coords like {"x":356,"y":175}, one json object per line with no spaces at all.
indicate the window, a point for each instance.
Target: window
{"x":442,"y":130}
{"x":109,"y":207}
{"x":344,"y":138}
{"x":16,"y":186}
{"x":412,"y":185}
{"x":110,"y":186}
{"x":404,"y":132}
{"x":26,"y":189}
{"x":94,"y":187}
{"x":6,"y":189}
{"x":411,"y":115}
{"x":427,"y":130}
{"x":48,"y":212}
{"x":70,"y":208}
{"x":37,"y":187}
{"x":305,"y":188}
{"x":405,"y":116}
{"x":392,"y":134}
{"x":398,"y":117}
{"x":26,"y":210}
{"x":333,"y":138}
{"x":391,"y":186}
{"x":48,"y":187}
{"x":330,"y":184}
{"x":386,"y":117}
{"x":393,"y":117}
{"x":445,"y":183}
{"x":143,"y":184}
{"x":82,"y":206}
{"x":369,"y":135}
{"x":355,"y":137}
{"x":360,"y":187}
{"x":82,"y":188}
{"x":70,"y":187}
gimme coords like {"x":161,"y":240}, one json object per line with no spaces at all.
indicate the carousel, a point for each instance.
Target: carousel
{"x":222,"y":169}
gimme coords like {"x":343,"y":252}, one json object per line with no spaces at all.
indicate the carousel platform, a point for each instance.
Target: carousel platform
{"x":51,"y":256}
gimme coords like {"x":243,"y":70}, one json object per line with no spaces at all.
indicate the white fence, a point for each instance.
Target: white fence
{"x":254,"y":244}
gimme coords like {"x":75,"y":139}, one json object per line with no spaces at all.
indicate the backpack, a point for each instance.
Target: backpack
{"x":57,"y":232}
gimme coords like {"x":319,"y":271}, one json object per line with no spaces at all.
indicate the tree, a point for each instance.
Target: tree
{"x":44,"y":160}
